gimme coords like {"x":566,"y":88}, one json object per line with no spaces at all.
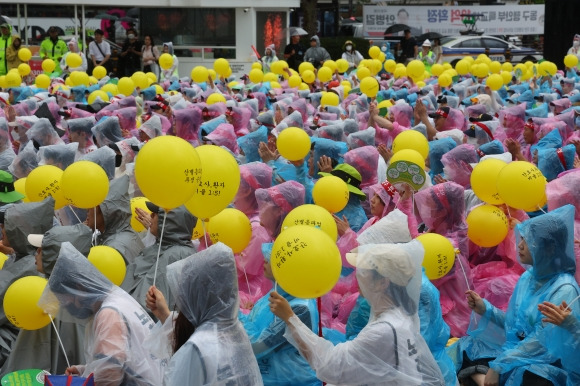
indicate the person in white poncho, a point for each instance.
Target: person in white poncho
{"x":389,"y":350}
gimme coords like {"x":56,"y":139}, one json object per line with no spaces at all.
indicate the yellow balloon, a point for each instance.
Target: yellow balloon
{"x":506,"y":77}
{"x":305,"y":66}
{"x":24,"y":54}
{"x":494,"y":81}
{"x":517,"y":177}
{"x":444,"y":80}
{"x":484,"y":180}
{"x":45,"y":181}
{"x":79,"y":78}
{"x":212,"y":74}
{"x":570,"y":61}
{"x":324,"y":74}
{"x":126,"y":86}
{"x":13,"y":79}
{"x":400,"y":72}
{"x":275,"y":85}
{"x":415,"y":68}
{"x":98,"y":94}
{"x":138,"y":202}
{"x":218,"y":184}
{"x":152,"y":76}
{"x":437,"y":69}
{"x":439,"y":255}
{"x":369,"y":86}
{"x":158,"y":89}
{"x":270,"y":77}
{"x":314,"y":216}
{"x":390,"y":65}
{"x":293,"y":143}
{"x":487,"y":226}
{"x":166,"y":61}
{"x":93,"y":80}
{"x":140,"y":80}
{"x":409,"y":155}
{"x":3,"y":81}
{"x":305,"y":261}
{"x":198,"y":230}
{"x":256,"y":75}
{"x":495,"y":67}
{"x":21,"y":303}
{"x":308,"y":76}
{"x":294,"y":81}
{"x":331,"y":193}
{"x":3,"y":259}
{"x":168,"y":170}
{"x":363,"y":73}
{"x":507,"y":66}
{"x":74,"y":60}
{"x":411,"y":139}
{"x":257,"y":65}
{"x":462,"y":67}
{"x":110,"y":88}
{"x":215,"y":98}
{"x":99,"y":72}
{"x":374,"y":52}
{"x":304,"y":86}
{"x":329,"y":99}
{"x":537,"y":207}
{"x":330,"y":64}
{"x":48,"y":65}
{"x":199,"y":74}
{"x":221,"y":66}
{"x":277,"y":68}
{"x":231,"y":227}
{"x":109,"y":262}
{"x":342,"y":65}
{"x":20,"y":187}
{"x":23,"y":69}
{"x":85,"y":184}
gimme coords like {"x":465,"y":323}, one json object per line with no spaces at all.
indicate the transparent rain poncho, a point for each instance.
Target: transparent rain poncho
{"x":152,"y":127}
{"x":364,"y":160}
{"x":276,"y":202}
{"x":249,"y":143}
{"x":219,"y":351}
{"x":7,"y":154}
{"x":254,"y":175}
{"x":483,"y":130}
{"x":333,"y":149}
{"x":78,"y":235}
{"x":24,"y":162}
{"x":241,"y":117}
{"x":83,"y":125}
{"x":187,"y":123}
{"x":389,"y":349}
{"x":60,"y":156}
{"x":207,"y":127}
{"x":43,"y":134}
{"x":493,"y":147}
{"x":105,"y":158}
{"x":403,"y":114}
{"x":332,"y":132}
{"x":115,"y":324}
{"x":107,"y":131}
{"x":512,"y":121}
{"x":455,"y":120}
{"x":436,"y":151}
{"x":361,"y":138}
{"x":127,"y":118}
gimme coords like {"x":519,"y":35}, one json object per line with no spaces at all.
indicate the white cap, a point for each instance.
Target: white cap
{"x":35,"y":240}
{"x":426,"y":43}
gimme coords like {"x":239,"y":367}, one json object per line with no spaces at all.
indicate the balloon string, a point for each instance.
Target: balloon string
{"x":319,"y":305}
{"x":96,"y":232}
{"x":247,"y":281}
{"x":463,"y":270}
{"x":204,"y":232}
{"x":159,"y":249}
{"x":508,"y":210}
{"x":543,"y":211}
{"x":75,"y":213}
{"x":275,"y":290}
{"x":572,"y":302}
{"x":59,"y":340}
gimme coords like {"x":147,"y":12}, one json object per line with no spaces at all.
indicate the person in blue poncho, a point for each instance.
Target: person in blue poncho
{"x":280,"y":363}
{"x":515,"y":347}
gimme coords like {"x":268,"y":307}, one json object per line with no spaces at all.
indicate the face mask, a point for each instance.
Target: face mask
{"x":131,"y":36}
{"x":15,"y":135}
{"x":349,"y":47}
{"x":383,"y":48}
{"x":576,"y":43}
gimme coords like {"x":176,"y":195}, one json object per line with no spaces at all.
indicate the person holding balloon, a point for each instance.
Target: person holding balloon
{"x":73,"y":47}
{"x":27,"y":353}
{"x":171,"y":68}
{"x":52,"y":47}
{"x":12,"y":50}
{"x":519,"y":349}
{"x":389,"y":348}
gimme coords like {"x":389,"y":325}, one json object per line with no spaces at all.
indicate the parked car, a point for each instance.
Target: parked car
{"x":456,"y":47}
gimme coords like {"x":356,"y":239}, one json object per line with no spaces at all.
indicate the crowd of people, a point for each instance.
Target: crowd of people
{"x":191,"y":312}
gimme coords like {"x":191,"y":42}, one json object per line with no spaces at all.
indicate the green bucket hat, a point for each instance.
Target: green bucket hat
{"x":7,"y":192}
{"x":349,"y":175}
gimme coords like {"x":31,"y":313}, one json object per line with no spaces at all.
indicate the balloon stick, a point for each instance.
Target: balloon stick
{"x":204,"y":232}
{"x":159,"y":249}
{"x":572,"y":302}
{"x":247,"y":281}
{"x":59,"y":340}
{"x":75,"y":213}
{"x":458,"y":258}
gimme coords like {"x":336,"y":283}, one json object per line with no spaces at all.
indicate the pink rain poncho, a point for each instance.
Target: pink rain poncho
{"x":566,"y":190}
{"x":512,"y":121}
{"x":187,"y":122}
{"x":127,"y":119}
{"x":276,"y":202}
{"x":362,"y":138}
{"x":455,"y":120}
{"x":241,"y":119}
{"x":251,"y":281}
{"x":456,"y":164}
{"x":224,"y":135}
{"x":365,"y":160}
{"x":442,"y":209}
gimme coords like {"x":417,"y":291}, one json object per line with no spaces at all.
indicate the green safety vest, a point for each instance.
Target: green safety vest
{"x":4,"y":44}
{"x":54,"y":51}
{"x":427,"y":65}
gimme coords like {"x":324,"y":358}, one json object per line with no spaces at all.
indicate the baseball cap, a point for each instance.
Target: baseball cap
{"x":7,"y":192}
{"x":349,"y":175}
{"x":35,"y":240}
{"x":441,"y":112}
{"x":152,"y":207}
{"x":481,"y":118}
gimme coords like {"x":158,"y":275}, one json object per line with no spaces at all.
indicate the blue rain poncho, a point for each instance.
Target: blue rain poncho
{"x":279,"y":361}
{"x":329,"y":148}
{"x":436,"y":151}
{"x":552,"y":162}
{"x":517,"y":339}
{"x":250,"y":143}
